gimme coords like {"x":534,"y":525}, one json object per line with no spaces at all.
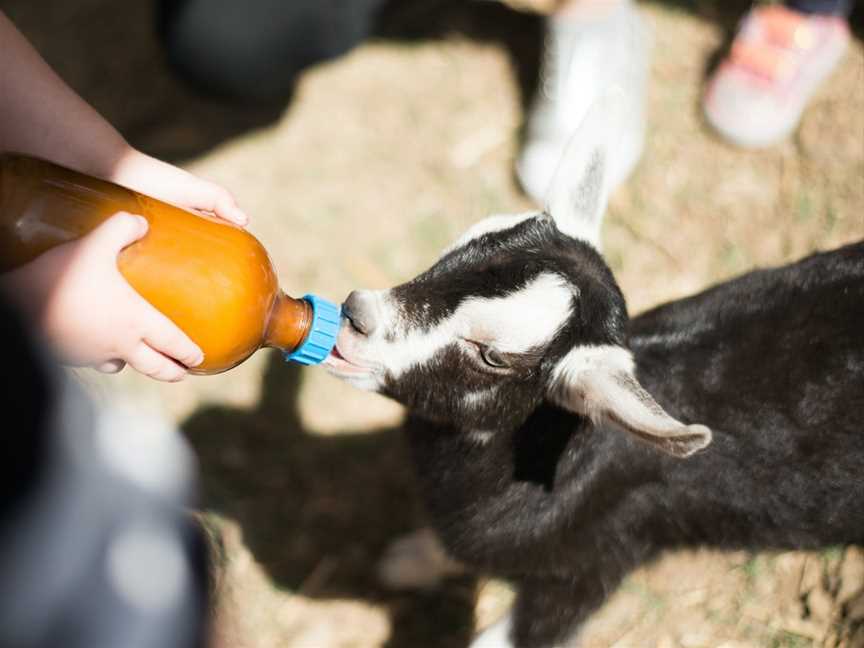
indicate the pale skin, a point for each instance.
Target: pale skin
{"x":74,"y":293}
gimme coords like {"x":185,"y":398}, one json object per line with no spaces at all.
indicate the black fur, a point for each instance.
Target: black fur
{"x":772,"y":362}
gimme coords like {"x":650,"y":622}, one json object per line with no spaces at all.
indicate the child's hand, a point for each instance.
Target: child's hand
{"x":153,"y":177}
{"x":91,"y":315}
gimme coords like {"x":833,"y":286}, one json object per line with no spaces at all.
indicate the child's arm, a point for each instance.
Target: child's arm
{"x":74,"y":293}
{"x":40,"y":115}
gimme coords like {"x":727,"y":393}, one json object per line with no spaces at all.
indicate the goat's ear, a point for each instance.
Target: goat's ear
{"x":579,"y":190}
{"x":599,"y":382}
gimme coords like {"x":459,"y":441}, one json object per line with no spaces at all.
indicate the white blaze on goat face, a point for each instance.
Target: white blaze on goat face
{"x":521,"y":321}
{"x":526,"y":319}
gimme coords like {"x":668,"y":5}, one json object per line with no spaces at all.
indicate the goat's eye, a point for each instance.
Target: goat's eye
{"x":492,"y":357}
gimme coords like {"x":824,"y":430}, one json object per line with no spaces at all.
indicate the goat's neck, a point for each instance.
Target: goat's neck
{"x":547,"y":452}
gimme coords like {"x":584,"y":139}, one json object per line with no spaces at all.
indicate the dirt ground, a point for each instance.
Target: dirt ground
{"x":379,"y":159}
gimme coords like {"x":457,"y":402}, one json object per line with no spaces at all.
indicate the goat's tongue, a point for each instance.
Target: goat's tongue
{"x":334,"y":357}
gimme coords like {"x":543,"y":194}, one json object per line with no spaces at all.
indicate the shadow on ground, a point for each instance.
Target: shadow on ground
{"x":318,"y":511}
{"x":108,"y":52}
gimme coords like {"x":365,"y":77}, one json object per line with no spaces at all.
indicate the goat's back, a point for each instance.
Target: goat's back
{"x":773,"y":362}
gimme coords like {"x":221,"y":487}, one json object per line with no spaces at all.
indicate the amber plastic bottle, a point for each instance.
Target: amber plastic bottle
{"x":213,"y":279}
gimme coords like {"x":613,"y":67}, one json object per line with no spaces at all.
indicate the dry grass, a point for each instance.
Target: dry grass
{"x":379,"y":160}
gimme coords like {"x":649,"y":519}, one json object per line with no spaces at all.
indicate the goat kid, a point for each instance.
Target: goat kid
{"x":560,"y":445}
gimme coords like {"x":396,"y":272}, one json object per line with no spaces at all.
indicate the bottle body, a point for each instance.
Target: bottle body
{"x":212,"y":279}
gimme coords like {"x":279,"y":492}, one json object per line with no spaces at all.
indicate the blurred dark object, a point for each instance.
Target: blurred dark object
{"x":96,"y":550}
{"x":254,"y":50}
{"x":832,"y":7}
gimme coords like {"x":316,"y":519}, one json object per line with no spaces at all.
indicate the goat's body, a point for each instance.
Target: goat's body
{"x":772,"y":362}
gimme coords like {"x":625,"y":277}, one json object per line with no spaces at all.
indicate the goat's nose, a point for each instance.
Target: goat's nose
{"x":360,"y":310}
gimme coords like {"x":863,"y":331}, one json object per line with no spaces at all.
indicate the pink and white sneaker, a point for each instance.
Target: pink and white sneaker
{"x":778,"y":59}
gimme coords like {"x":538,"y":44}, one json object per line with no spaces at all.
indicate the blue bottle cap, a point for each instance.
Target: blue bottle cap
{"x":326,"y":318}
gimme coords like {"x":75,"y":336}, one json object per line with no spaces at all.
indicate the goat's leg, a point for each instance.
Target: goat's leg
{"x":547,"y":614}
{"x":550,"y":613}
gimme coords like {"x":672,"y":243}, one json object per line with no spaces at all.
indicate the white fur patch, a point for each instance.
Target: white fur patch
{"x":515,"y":323}
{"x":584,"y":358}
{"x":580,"y":188}
{"x":480,"y":437}
{"x":498,"y":635}
{"x":496,"y":223}
{"x":599,"y":382}
{"x":477,"y":397}
{"x":574,"y":370}
{"x":522,"y":320}
{"x":525,"y":319}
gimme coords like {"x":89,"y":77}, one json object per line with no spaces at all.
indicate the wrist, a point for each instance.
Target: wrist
{"x":136,"y":170}
{"x":112,"y":155}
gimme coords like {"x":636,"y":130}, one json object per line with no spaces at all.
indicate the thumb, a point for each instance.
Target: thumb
{"x":119,"y":231}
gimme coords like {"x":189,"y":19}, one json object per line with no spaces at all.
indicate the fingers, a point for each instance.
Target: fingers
{"x":167,"y":338}
{"x":111,"y":366}
{"x":150,"y":362}
{"x":117,"y":232}
{"x":213,"y":198}
{"x":228,"y":209}
{"x":168,"y":182}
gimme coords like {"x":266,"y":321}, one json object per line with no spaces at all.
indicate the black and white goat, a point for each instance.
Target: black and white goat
{"x":547,"y":428}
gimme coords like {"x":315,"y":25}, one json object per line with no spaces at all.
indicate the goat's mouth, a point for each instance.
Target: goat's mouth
{"x":338,"y":364}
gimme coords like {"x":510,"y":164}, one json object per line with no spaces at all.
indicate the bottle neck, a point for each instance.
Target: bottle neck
{"x":289,"y":323}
